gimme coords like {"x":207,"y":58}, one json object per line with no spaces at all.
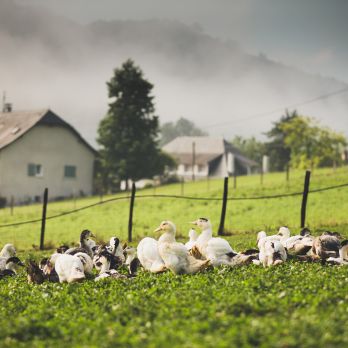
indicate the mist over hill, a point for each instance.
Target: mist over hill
{"x":50,"y":61}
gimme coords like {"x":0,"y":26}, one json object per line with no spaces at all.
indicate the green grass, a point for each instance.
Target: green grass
{"x":244,"y":218}
{"x":292,"y":305}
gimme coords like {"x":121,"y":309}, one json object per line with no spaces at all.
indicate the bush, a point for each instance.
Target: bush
{"x":3,"y":202}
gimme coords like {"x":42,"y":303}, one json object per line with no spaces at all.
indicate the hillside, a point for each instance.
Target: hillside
{"x":49,"y":60}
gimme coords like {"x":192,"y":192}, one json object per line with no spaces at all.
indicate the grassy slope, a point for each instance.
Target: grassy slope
{"x":244,"y":218}
{"x":288,"y":306}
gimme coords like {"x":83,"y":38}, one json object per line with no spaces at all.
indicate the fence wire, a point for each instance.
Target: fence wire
{"x":65,"y":213}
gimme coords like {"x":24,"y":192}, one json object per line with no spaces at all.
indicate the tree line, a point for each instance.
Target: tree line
{"x":130,"y":136}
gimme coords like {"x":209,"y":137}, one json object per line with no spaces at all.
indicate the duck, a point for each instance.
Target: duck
{"x":217,"y":250}
{"x":282,"y":235}
{"x":115,"y":248}
{"x":149,"y":257}
{"x":272,"y":252}
{"x":193,"y":235}
{"x":47,"y":267}
{"x":299,"y":244}
{"x":69,"y":268}
{"x":6,"y":252}
{"x":327,"y":245}
{"x":85,"y":244}
{"x":87,"y":262}
{"x":13,"y":264}
{"x":35,"y":273}
{"x":112,"y":261}
{"x":132,"y":261}
{"x":343,"y":255}
{"x":104,"y":265}
{"x":175,"y":255}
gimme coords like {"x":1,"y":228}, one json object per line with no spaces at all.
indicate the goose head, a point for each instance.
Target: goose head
{"x":284,"y":232}
{"x":8,"y":250}
{"x":202,"y":223}
{"x":261,"y":235}
{"x":166,"y":226}
{"x":14,"y":263}
{"x":85,"y":235}
{"x":62,"y":249}
{"x":305,"y":232}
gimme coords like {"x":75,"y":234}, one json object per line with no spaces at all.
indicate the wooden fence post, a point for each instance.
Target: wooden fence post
{"x":304,"y":198}
{"x":43,"y":221}
{"x":131,"y":206}
{"x":223,"y":210}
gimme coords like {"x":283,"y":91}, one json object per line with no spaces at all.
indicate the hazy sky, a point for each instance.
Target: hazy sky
{"x":308,"y":34}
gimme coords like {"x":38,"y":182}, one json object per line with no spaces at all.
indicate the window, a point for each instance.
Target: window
{"x":70,"y":171}
{"x":35,"y":169}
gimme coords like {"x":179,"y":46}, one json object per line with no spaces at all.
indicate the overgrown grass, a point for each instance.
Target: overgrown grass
{"x":292,"y":305}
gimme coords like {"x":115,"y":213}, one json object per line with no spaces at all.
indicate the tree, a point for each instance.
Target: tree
{"x":250,"y":147}
{"x":312,"y":145}
{"x":170,"y":130}
{"x":278,"y":151}
{"x":128,"y":133}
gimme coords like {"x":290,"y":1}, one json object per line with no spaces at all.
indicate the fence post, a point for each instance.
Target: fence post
{"x":43,"y":221}
{"x":12,"y":204}
{"x":223,"y":210}
{"x":304,"y":198}
{"x":130,"y":221}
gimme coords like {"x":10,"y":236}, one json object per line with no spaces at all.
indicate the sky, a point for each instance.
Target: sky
{"x":206,"y":59}
{"x":308,"y":34}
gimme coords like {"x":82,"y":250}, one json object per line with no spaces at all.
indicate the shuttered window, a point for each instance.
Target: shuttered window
{"x":70,"y":171}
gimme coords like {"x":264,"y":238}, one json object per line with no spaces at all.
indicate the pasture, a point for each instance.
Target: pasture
{"x":294,"y":304}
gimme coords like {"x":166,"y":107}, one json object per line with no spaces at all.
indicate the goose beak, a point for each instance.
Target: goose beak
{"x":92,"y":235}
{"x":158,"y":229}
{"x":193,"y":223}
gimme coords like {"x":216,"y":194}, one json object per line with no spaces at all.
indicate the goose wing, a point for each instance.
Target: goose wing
{"x":148,"y":253}
{"x":218,"y":247}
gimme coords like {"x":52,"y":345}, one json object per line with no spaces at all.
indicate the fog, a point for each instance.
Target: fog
{"x":50,"y":61}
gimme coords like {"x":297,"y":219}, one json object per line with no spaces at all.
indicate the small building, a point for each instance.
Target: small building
{"x":39,"y":149}
{"x":208,"y":156}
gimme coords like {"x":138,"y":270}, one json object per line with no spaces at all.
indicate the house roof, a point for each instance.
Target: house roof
{"x":14,"y":124}
{"x":206,"y":150}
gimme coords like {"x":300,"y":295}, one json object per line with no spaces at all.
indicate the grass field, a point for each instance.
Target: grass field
{"x":293,"y":305}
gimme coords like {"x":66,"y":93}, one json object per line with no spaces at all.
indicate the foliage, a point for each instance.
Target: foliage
{"x":293,"y":305}
{"x":170,"y":130}
{"x":250,"y":147}
{"x":128,"y":133}
{"x":311,"y":145}
{"x":277,"y":149}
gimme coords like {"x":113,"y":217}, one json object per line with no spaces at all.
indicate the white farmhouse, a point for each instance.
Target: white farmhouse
{"x":208,"y":156}
{"x":38,"y":149}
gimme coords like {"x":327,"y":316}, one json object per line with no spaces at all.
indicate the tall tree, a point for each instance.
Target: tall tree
{"x":250,"y":147}
{"x":128,"y":134}
{"x":182,"y":126}
{"x":277,"y":149}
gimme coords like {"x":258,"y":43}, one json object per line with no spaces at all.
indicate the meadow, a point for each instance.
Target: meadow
{"x":294,"y":304}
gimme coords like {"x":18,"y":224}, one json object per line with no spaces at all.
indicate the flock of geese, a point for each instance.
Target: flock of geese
{"x":200,"y":252}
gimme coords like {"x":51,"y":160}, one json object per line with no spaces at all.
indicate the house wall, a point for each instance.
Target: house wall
{"x":53,"y":147}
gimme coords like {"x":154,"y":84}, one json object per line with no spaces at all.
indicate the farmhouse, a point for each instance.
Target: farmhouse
{"x":207,"y":156}
{"x":39,"y":149}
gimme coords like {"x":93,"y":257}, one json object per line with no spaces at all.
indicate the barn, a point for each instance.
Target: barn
{"x":39,"y":149}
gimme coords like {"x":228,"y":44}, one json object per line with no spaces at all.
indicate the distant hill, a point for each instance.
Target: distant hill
{"x":47,"y":60}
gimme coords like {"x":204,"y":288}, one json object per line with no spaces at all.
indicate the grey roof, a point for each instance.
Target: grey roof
{"x":206,"y":149}
{"x":13,"y":125}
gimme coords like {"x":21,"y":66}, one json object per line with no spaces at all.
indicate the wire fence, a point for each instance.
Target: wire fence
{"x":182,"y":197}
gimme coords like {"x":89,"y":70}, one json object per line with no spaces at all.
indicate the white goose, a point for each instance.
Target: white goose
{"x":12,"y":265}
{"x":175,"y":255}
{"x":116,"y":249}
{"x":343,"y":255}
{"x":271,"y":252}
{"x":217,"y":250}
{"x":193,"y":235}
{"x":69,"y":268}
{"x":149,"y":256}
{"x":299,"y":244}
{"x":7,"y":251}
